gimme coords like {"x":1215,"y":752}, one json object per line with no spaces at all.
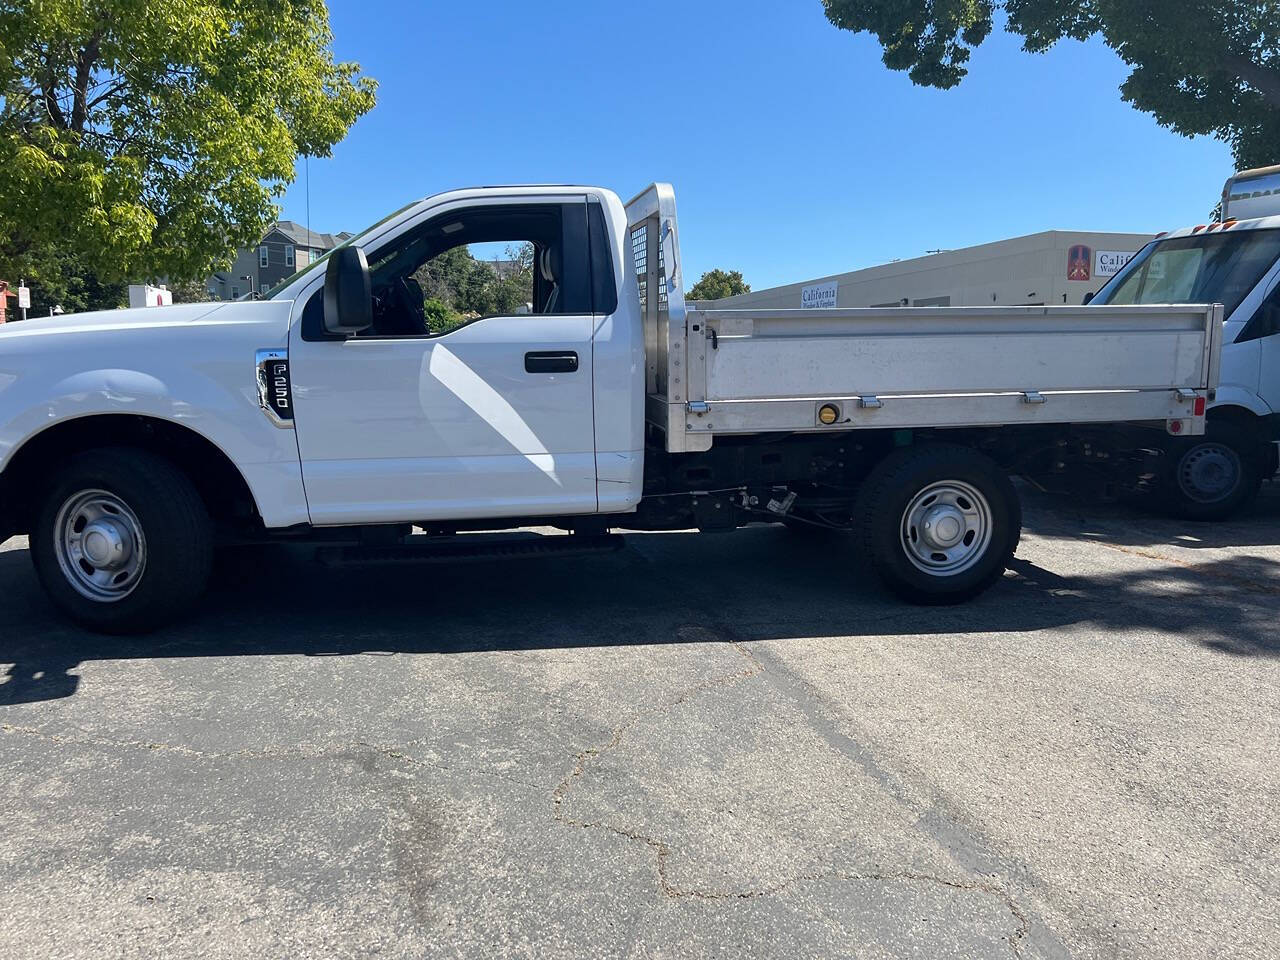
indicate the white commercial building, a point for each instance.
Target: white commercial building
{"x":1056,"y":266}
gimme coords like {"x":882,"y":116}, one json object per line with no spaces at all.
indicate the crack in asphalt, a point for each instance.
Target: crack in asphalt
{"x":83,"y":741}
{"x":662,"y":851}
{"x":584,"y":757}
{"x":393,"y":753}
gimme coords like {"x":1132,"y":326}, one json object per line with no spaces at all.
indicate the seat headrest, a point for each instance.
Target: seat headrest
{"x":549,"y":265}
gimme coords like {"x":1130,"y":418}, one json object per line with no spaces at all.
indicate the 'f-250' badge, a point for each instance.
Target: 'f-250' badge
{"x":274,"y":394}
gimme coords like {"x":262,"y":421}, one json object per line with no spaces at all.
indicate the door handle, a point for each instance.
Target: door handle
{"x":551,"y":361}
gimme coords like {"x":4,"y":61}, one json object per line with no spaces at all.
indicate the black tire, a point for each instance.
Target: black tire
{"x":893,"y":487}
{"x":1212,"y":477}
{"x":176,"y":536}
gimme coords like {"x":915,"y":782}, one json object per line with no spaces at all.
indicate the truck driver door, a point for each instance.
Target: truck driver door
{"x":471,"y":394}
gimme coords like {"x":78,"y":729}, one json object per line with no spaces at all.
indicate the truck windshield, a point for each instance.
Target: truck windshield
{"x":315,"y":264}
{"x":1205,"y":268}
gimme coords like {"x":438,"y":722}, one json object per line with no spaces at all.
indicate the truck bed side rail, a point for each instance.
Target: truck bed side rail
{"x":764,"y":371}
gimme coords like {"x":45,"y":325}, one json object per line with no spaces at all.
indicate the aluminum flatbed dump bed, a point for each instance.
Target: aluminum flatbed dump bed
{"x":726,"y":372}
{"x":753,"y":371}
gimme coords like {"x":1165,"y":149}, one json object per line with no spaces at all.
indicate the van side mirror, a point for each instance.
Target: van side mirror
{"x":348,"y":298}
{"x":1089,"y":296}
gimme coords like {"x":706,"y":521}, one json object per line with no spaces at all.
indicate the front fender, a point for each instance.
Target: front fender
{"x":198,"y":375}
{"x":1229,"y":395}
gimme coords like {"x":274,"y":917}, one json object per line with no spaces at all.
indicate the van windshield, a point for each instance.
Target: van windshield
{"x":1205,"y":268}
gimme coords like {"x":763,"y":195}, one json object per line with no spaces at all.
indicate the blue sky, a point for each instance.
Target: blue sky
{"x":794,"y":151}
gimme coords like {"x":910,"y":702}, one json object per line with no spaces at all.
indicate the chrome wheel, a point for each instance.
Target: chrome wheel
{"x":1209,"y":472}
{"x":99,"y":545}
{"x":946,"y":527}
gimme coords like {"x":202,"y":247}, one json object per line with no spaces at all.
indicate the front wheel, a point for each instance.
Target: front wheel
{"x":122,"y":542}
{"x":939,"y":522}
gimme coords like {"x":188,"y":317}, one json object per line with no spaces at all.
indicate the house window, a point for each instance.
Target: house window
{"x":235,"y":292}
{"x":264,"y":287}
{"x":288,"y":255}
{"x":263,"y":257}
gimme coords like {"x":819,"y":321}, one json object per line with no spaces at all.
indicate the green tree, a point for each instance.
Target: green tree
{"x":147,"y":139}
{"x":470,"y":287}
{"x":72,"y":286}
{"x":190,"y":291}
{"x":717,"y":284}
{"x":439,"y":317}
{"x":1198,"y":66}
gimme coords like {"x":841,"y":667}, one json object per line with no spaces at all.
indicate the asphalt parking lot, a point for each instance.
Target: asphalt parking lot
{"x":729,"y":746}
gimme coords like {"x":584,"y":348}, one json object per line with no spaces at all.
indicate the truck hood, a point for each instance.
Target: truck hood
{"x":101,"y":320}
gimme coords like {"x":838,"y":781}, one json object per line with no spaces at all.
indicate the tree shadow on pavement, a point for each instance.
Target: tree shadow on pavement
{"x":762,"y":582}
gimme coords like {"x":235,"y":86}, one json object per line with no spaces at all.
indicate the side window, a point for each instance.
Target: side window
{"x":486,"y":261}
{"x":604,"y":285}
{"x":1266,"y":321}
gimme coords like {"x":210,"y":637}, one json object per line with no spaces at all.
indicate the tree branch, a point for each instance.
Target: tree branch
{"x":49,"y":95}
{"x":84,"y":71}
{"x":1263,"y":79}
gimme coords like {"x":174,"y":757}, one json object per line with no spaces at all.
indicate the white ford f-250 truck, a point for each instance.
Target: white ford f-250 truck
{"x":337,"y":409}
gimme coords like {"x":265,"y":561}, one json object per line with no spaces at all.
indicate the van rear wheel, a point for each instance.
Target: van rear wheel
{"x":122,"y":542}
{"x":939,"y":522}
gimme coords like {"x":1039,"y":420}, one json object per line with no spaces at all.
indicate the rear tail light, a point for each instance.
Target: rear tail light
{"x":1197,"y":408}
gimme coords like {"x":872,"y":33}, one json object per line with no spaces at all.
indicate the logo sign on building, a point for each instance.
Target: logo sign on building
{"x":1108,"y":263}
{"x":818,"y":296}
{"x":1078,"y":260}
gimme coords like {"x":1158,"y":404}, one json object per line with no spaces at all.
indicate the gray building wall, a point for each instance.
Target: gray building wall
{"x":1041,"y":268}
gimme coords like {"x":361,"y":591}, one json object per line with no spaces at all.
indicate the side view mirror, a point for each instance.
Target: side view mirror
{"x":348,"y":298}
{"x":1089,"y":296}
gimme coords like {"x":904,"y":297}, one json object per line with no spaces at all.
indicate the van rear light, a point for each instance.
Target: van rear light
{"x":1197,"y":408}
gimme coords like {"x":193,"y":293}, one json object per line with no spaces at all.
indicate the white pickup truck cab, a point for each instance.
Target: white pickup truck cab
{"x":335,"y":410}
{"x":1235,"y":263}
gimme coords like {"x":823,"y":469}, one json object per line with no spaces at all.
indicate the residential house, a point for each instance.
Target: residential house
{"x":286,"y":248}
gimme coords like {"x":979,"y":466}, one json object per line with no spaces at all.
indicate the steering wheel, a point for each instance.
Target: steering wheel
{"x":398,"y":308}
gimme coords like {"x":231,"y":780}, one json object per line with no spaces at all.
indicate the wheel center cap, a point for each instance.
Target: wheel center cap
{"x":106,"y":544}
{"x":1212,"y":472}
{"x":943,"y":526}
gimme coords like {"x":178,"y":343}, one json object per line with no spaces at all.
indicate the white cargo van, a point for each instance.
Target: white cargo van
{"x":1235,"y":262}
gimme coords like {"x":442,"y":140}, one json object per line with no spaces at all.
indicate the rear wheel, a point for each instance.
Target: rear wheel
{"x":939,"y":522}
{"x":122,"y":542}
{"x":1214,"y":476}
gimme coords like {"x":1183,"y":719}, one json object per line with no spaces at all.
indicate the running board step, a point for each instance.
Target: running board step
{"x":468,"y":548}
